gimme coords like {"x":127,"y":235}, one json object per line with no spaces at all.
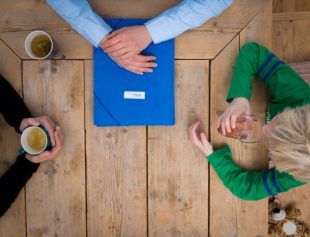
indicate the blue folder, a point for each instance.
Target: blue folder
{"x":122,"y":98}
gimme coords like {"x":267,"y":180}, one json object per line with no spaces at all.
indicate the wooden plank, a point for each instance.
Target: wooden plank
{"x":261,"y":23}
{"x":238,"y":214}
{"x":116,"y":175}
{"x":291,"y":40}
{"x":294,"y":49}
{"x":253,"y":215}
{"x":291,"y":5}
{"x":10,"y":68}
{"x":241,"y":11}
{"x":55,"y":196}
{"x":21,"y":15}
{"x":286,"y":16}
{"x":25,"y":19}
{"x":204,"y":43}
{"x":298,"y":198}
{"x":241,"y":218}
{"x":132,"y":8}
{"x":178,"y":172}
{"x":67,"y":42}
{"x":201,"y":44}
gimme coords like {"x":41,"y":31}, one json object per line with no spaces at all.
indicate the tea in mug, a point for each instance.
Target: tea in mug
{"x":41,"y":45}
{"x":36,"y":139}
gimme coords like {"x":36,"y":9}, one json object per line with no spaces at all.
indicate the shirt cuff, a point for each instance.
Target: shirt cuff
{"x":215,"y":157}
{"x":95,"y":32}
{"x":27,"y":164}
{"x":157,"y":28}
{"x":232,"y":95}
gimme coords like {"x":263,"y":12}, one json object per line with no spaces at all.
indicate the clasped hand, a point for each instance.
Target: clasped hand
{"x":54,"y":132}
{"x":124,"y":47}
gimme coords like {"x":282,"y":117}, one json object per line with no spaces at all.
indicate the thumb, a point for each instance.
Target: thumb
{"x":204,"y":139}
{"x":33,"y":122}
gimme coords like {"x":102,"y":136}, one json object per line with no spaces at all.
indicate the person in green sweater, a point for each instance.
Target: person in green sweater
{"x":287,"y":128}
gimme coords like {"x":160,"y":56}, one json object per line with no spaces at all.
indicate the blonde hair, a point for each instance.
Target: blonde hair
{"x":289,"y":142}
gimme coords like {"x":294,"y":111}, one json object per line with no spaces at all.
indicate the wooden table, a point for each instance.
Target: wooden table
{"x":130,"y":181}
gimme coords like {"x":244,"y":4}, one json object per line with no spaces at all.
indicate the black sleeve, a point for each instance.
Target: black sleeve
{"x":14,"y":180}
{"x":12,"y":106}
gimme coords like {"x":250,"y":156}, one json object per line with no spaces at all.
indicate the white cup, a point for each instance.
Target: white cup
{"x":25,"y":144}
{"x":30,"y":38}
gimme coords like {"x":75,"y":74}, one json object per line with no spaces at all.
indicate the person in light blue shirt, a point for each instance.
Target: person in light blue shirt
{"x":125,"y":45}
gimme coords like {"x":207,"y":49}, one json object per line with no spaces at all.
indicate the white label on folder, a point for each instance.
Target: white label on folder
{"x":136,"y":95}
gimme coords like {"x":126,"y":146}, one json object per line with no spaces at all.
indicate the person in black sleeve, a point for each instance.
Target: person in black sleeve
{"x":16,"y":114}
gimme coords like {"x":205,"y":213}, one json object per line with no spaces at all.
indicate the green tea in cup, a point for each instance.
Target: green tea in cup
{"x":38,"y":45}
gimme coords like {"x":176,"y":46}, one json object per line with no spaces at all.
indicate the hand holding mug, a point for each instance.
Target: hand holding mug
{"x":54,"y":133}
{"x":51,"y":154}
{"x":227,"y":121}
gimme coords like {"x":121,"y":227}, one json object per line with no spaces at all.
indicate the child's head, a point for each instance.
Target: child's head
{"x":289,"y":142}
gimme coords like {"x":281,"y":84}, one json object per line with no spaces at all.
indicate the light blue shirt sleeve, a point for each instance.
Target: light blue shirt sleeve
{"x":79,"y":14}
{"x":184,"y":16}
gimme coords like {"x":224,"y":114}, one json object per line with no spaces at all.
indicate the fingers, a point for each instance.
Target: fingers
{"x":28,"y":122}
{"x":138,"y":64}
{"x":50,"y":126}
{"x":33,"y":122}
{"x":219,"y":122}
{"x":200,"y":141}
{"x":119,"y":52}
{"x":114,"y":33}
{"x":143,"y":58}
{"x":115,"y":48}
{"x":59,"y":139}
{"x":227,"y":124}
{"x":223,"y":129}
{"x":134,"y":70}
{"x":193,"y":133}
{"x":204,"y":139}
{"x":233,"y":119}
{"x":111,"y":42}
{"x":137,"y":70}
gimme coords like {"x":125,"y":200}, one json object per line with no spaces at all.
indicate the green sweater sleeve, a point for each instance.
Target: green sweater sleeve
{"x":282,"y":82}
{"x":250,"y":185}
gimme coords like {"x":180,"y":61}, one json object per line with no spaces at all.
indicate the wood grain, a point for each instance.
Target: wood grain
{"x":55,"y":196}
{"x":30,"y":15}
{"x":116,"y":175}
{"x":291,"y":40}
{"x":239,"y":217}
{"x":203,"y":43}
{"x":178,"y":172}
{"x":291,"y":43}
{"x":230,"y":216}
{"x":291,"y":5}
{"x":67,"y":42}
{"x":10,"y":68}
{"x":285,"y":16}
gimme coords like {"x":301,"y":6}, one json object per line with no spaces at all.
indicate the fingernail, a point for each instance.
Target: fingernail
{"x":155,"y":65}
